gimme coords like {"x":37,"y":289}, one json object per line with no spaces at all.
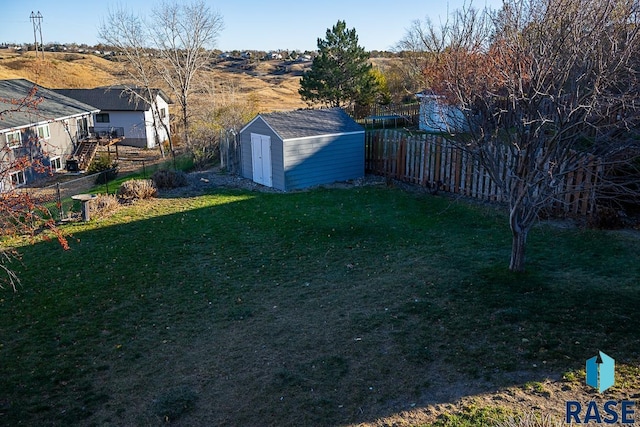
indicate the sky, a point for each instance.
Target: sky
{"x":248,"y":24}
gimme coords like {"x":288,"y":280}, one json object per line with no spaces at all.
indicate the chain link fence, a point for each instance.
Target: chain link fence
{"x":58,"y":197}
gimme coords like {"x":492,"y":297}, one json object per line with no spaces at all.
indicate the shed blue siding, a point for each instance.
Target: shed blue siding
{"x":323,"y":160}
{"x":308,"y":147}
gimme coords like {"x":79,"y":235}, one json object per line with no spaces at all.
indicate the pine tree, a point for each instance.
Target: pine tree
{"x":340,"y":74}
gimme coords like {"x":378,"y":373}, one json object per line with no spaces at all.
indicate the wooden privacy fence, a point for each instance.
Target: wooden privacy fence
{"x":434,"y":162}
{"x":409,"y":111}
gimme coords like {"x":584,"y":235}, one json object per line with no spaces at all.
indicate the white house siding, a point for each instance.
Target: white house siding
{"x":133,"y":123}
{"x":150,"y":141}
{"x":151,"y":133}
{"x":126,"y":112}
{"x":161,"y":130}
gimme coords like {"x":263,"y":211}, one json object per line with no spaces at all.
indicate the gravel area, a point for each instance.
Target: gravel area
{"x":203,"y":181}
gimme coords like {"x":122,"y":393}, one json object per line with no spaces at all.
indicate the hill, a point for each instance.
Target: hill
{"x":59,"y":70}
{"x":271,"y":85}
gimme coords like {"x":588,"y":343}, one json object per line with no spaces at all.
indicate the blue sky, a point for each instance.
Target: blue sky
{"x":249,"y":24}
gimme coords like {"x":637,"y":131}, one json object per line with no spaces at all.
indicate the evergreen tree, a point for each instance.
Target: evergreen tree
{"x":340,"y":74}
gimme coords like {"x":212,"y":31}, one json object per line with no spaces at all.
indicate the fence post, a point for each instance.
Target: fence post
{"x":59,"y":202}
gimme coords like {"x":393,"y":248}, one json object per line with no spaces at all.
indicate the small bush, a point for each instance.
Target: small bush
{"x":103,"y":164}
{"x":607,"y":218}
{"x":169,"y":179}
{"x":204,"y":157}
{"x":136,"y":189}
{"x":104,"y":205}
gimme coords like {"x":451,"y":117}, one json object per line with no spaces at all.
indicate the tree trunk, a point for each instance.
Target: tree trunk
{"x":519,"y":233}
{"x":185,"y":121}
{"x":518,"y":246}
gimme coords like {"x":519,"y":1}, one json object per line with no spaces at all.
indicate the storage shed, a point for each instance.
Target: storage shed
{"x":298,"y":149}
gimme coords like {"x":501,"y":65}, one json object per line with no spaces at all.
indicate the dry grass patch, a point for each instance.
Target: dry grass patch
{"x":63,"y":70}
{"x":105,"y":205}
{"x":59,"y":70}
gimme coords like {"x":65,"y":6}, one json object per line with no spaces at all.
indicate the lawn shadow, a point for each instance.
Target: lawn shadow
{"x":329,"y":307}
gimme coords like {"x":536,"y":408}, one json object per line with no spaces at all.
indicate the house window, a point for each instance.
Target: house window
{"x":14,"y":139}
{"x":102,"y":118}
{"x":17,"y":178}
{"x":55,"y":163}
{"x":163,"y":113}
{"x":43,"y":132}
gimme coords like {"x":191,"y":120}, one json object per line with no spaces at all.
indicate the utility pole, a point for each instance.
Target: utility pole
{"x":36,"y":19}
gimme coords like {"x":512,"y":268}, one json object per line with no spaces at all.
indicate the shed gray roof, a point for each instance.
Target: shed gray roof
{"x":53,"y":106}
{"x":117,"y":98}
{"x":306,"y":123}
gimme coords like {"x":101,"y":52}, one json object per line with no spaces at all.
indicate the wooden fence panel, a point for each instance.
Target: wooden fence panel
{"x":433,"y":162}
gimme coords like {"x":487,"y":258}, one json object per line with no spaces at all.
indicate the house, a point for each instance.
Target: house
{"x":438,"y":116}
{"x":125,"y":112}
{"x":46,"y":128}
{"x":297,"y":149}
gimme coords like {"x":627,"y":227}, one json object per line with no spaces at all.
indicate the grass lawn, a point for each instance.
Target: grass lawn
{"x":327,"y":307}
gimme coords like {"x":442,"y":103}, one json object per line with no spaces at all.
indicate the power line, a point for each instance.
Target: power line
{"x":36,"y":19}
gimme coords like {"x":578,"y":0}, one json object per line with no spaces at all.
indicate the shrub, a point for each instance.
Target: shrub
{"x":136,"y":189}
{"x":103,"y":164}
{"x":204,"y":148}
{"x":104,"y":205}
{"x":169,"y":179}
{"x":606,"y":217}
{"x":204,"y":156}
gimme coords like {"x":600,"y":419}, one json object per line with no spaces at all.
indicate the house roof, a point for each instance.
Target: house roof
{"x":306,"y":123}
{"x":53,"y":106}
{"x":115,"y":98}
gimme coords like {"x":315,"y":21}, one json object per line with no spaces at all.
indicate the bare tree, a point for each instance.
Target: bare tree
{"x":220,"y":110}
{"x":184,"y":34}
{"x":414,"y":48}
{"x":541,"y":84}
{"x":171,"y":47}
{"x":126,"y":33}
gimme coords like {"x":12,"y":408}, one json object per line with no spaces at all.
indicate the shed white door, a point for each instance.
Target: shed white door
{"x":261,"y":159}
